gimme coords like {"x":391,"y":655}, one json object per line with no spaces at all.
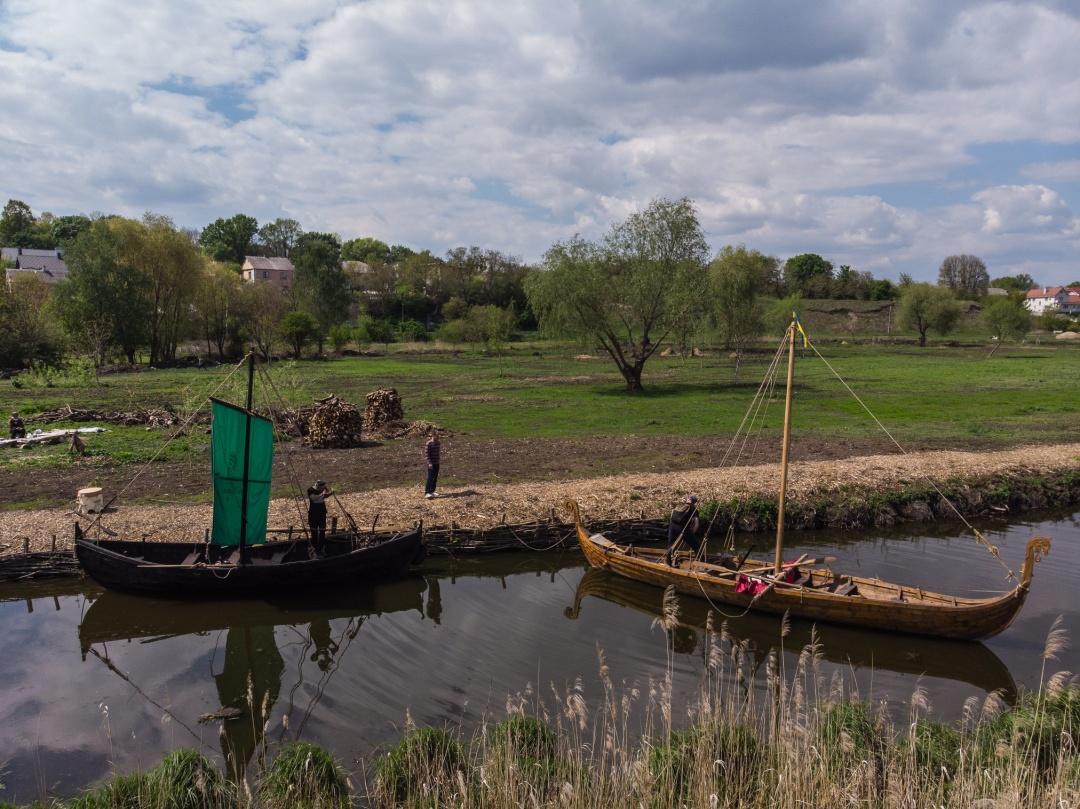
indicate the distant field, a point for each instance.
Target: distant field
{"x":938,"y":395}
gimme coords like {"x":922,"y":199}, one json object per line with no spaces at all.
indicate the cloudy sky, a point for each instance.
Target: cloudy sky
{"x":881,"y":133}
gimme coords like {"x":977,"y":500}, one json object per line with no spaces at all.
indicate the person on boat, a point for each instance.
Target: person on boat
{"x":685,"y":523}
{"x":16,"y":426}
{"x":316,"y":515}
{"x":432,"y":457}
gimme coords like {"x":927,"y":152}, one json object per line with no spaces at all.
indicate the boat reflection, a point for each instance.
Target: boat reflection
{"x":248,"y":672}
{"x":968,"y":662}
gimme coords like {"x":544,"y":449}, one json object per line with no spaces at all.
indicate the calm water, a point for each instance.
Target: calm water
{"x":93,"y":679}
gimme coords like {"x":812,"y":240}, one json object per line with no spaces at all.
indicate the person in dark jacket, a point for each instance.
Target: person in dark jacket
{"x":432,"y":456}
{"x":684,"y":523}
{"x":316,"y":514}
{"x":16,"y":426}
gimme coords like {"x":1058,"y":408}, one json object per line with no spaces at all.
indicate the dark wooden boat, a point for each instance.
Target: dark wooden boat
{"x":236,"y":560}
{"x":812,"y":593}
{"x":969,"y":662}
{"x":202,"y":570}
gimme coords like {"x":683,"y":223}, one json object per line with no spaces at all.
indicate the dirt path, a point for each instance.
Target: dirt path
{"x":602,"y":497}
{"x":468,"y":460}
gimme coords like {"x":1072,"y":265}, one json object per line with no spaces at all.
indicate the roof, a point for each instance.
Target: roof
{"x":265,"y":263}
{"x":1053,"y":292}
{"x":47,"y":264}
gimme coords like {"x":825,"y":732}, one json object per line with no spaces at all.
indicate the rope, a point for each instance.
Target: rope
{"x":978,"y":534}
{"x":174,"y":436}
{"x":286,"y":455}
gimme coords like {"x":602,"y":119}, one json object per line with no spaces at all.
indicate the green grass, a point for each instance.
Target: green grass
{"x":938,"y":395}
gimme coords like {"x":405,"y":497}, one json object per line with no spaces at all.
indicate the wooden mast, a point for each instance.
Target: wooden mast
{"x":247,"y":460}
{"x":777,"y":562}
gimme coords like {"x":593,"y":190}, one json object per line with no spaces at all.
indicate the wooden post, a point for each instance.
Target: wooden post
{"x":54,"y":543}
{"x":26,"y":548}
{"x":777,"y":561}
{"x":333,"y":525}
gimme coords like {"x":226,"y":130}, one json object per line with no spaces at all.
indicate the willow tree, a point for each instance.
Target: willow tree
{"x":629,"y":291}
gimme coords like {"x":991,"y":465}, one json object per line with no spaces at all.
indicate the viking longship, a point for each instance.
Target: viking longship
{"x":803,"y":588}
{"x":235,"y":558}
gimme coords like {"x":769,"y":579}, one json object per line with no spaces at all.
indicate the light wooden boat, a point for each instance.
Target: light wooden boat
{"x":806,"y":591}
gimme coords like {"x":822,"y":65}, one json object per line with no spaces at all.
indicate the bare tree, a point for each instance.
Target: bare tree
{"x":965,"y":275}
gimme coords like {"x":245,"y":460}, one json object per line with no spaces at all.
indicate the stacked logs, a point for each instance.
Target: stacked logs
{"x":383,"y":407}
{"x":154,"y":417}
{"x":334,"y":424}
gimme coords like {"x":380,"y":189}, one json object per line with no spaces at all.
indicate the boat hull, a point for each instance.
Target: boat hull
{"x":159,"y":568}
{"x":942,"y":616}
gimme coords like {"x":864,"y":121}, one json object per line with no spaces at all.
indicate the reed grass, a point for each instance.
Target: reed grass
{"x":790,"y":739}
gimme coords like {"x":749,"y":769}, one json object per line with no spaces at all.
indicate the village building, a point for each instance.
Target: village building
{"x":278,"y":271}
{"x":48,"y":265}
{"x":1065,"y":300}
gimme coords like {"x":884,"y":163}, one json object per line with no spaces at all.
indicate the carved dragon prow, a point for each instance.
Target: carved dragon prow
{"x":572,"y":508}
{"x":1037,"y":548}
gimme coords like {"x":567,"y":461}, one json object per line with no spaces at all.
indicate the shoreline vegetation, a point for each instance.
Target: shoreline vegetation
{"x":859,"y":492}
{"x":788,"y":738}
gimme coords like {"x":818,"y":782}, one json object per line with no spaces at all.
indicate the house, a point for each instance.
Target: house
{"x":48,"y":265}
{"x":278,"y":271}
{"x":1065,"y":300}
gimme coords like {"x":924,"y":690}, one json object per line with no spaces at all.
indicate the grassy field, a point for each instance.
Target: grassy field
{"x":941,"y":395}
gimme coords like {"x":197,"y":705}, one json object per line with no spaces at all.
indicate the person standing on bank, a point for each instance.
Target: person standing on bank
{"x":316,"y":514}
{"x":686,"y":524}
{"x":432,"y":457}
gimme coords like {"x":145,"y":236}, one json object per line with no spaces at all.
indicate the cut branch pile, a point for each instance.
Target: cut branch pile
{"x":154,"y":417}
{"x":335,"y":424}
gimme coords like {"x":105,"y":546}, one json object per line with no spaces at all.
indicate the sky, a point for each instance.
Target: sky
{"x":884,"y":134}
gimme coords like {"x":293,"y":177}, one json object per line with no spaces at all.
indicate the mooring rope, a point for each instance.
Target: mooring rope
{"x":175,"y":435}
{"x":978,"y":534}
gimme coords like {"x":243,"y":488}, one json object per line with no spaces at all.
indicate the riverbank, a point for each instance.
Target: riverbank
{"x":800,"y":742}
{"x":851,"y":492}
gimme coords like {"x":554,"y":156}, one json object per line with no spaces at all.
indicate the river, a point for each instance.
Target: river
{"x":96,"y":680}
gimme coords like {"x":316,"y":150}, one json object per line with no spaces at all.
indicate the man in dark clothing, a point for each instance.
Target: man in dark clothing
{"x":16,"y":426}
{"x":432,"y":457}
{"x":684,"y":523}
{"x":316,"y":514}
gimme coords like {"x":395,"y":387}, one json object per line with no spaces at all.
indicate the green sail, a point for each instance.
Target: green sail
{"x":227,"y":459}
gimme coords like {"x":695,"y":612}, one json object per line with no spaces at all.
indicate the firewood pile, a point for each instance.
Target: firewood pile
{"x":383,"y":407}
{"x":334,"y":424}
{"x":154,"y":417}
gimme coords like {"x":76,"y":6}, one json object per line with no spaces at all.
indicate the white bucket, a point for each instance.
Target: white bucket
{"x":91,"y":500}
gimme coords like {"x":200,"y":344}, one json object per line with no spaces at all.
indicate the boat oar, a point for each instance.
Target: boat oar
{"x":348,"y":516}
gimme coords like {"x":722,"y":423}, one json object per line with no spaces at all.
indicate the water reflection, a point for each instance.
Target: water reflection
{"x":856,"y":649}
{"x":249,"y":681}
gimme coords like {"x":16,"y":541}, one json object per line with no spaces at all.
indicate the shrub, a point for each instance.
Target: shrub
{"x":412,"y":330}
{"x":306,"y":777}
{"x":339,"y":336}
{"x":422,"y":756}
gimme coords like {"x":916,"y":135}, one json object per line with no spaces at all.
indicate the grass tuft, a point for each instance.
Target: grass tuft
{"x":305,"y":777}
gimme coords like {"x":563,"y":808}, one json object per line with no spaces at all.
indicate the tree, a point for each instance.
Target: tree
{"x":925,"y":307}
{"x":965,"y":275}
{"x":629,"y":292}
{"x":28,"y":335}
{"x":279,"y":237}
{"x":229,"y":239}
{"x":1005,"y":318}
{"x":104,"y":301}
{"x":173,"y":268}
{"x":16,"y":224}
{"x":808,"y":274}
{"x":321,"y":285}
{"x":297,"y":328}
{"x":66,"y":228}
{"x":366,"y":249}
{"x":218,"y":307}
{"x":264,"y":306}
{"x":737,"y":277}
{"x":1014,"y":284}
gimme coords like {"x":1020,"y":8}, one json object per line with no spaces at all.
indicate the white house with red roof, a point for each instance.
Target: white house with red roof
{"x":1064,"y":299}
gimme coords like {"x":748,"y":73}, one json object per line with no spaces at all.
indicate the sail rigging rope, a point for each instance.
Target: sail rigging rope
{"x":978,"y":534}
{"x":179,"y":431}
{"x":286,"y":455}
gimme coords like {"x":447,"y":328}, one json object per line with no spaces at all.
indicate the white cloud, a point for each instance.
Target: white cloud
{"x":513,"y":125}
